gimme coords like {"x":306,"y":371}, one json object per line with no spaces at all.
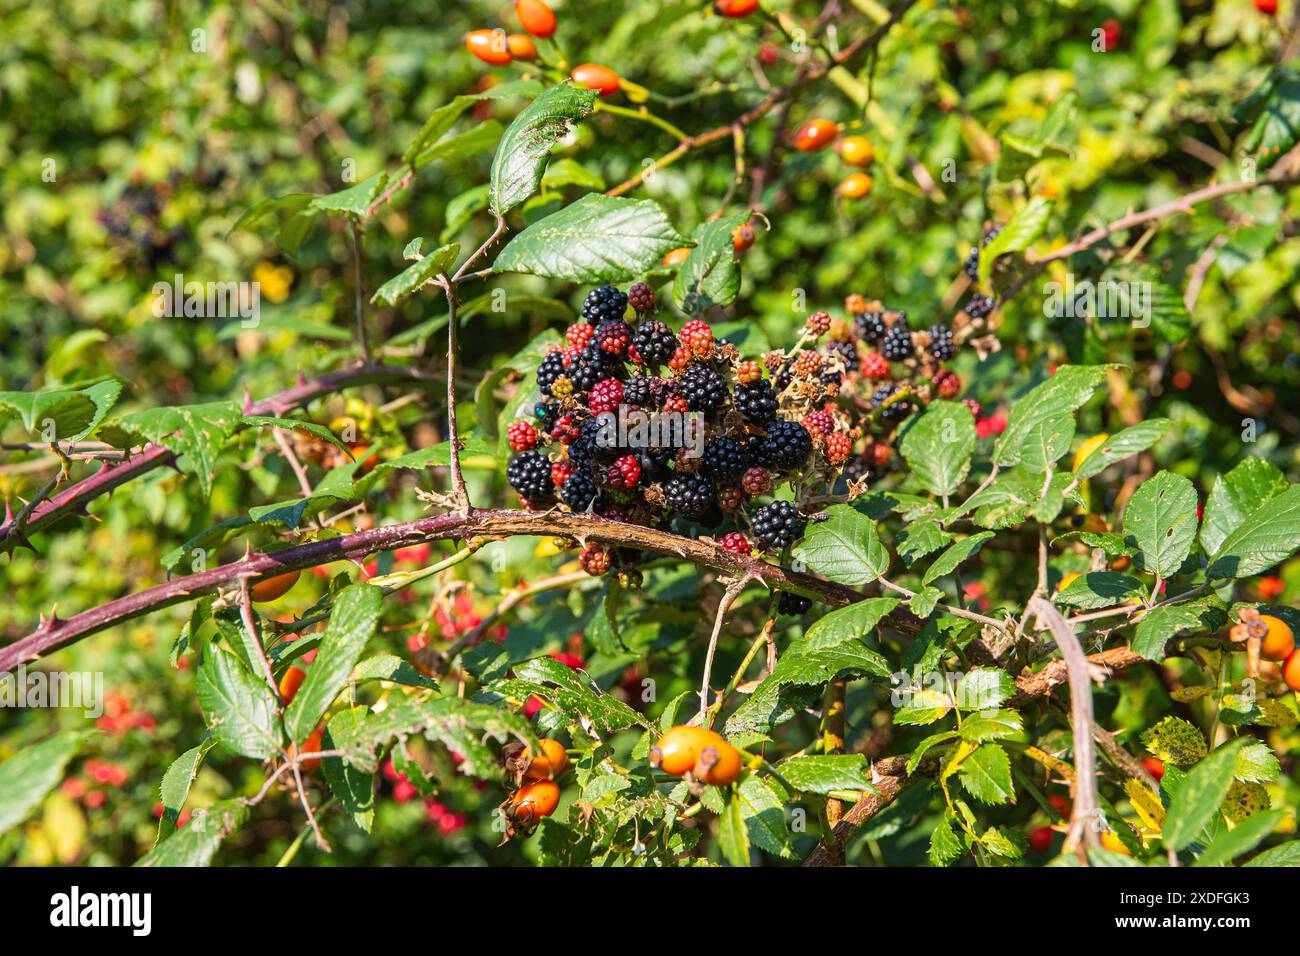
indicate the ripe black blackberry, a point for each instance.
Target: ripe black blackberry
{"x":832,"y":378}
{"x":654,"y":463}
{"x":689,"y":495}
{"x":654,"y":342}
{"x":613,"y":336}
{"x":724,"y":458}
{"x":552,"y":367}
{"x":529,"y":473}
{"x":756,"y":401}
{"x":778,"y":525}
{"x":642,"y":297}
{"x":870,"y":327}
{"x":941,"y":344}
{"x":579,"y":490}
{"x":979,"y":306}
{"x":845,"y":350}
{"x":972,"y":264}
{"x":638,"y":391}
{"x":592,"y":364}
{"x":702,"y":389}
{"x":793,"y":604}
{"x":894,"y":411}
{"x":897,"y":344}
{"x":785,"y":447}
{"x":604,"y":304}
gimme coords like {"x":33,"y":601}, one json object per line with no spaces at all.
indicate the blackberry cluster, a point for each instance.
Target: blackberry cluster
{"x":604,"y":304}
{"x":573,"y":455}
{"x":979,"y":306}
{"x":941,"y":345}
{"x":891,"y":411}
{"x":778,"y":525}
{"x":870,"y":327}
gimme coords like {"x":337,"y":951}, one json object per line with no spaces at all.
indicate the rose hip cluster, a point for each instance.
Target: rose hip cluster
{"x":642,"y":424}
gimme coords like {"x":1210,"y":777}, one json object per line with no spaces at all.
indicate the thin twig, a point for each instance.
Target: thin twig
{"x":728,"y":598}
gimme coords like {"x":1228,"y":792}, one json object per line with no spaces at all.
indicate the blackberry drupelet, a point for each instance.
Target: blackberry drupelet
{"x":724,"y":458}
{"x":529,"y":474}
{"x":756,"y":401}
{"x":702,"y":388}
{"x":654,"y":342}
{"x":941,"y":345}
{"x":785,"y":447}
{"x":689,"y":495}
{"x":870,"y":327}
{"x":579,"y":491}
{"x":604,"y":304}
{"x":897,"y":344}
{"x":793,"y":605}
{"x":778,"y":525}
{"x":552,"y":367}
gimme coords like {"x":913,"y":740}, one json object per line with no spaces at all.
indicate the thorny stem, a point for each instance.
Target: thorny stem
{"x":458,"y":489}
{"x":728,"y":598}
{"x":360,"y":293}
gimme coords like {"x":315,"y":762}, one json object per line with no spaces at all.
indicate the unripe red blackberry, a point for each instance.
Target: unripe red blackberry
{"x":642,"y":297}
{"x":877,"y":454}
{"x":578,"y":335}
{"x":565,"y":429}
{"x":818,"y":324}
{"x":624,"y":472}
{"x":698,"y":337}
{"x":819,"y":423}
{"x":778,"y":525}
{"x":748,"y":372}
{"x":735,"y":542}
{"x":594,"y":559}
{"x":807,"y":365}
{"x":838,"y":447}
{"x":654,"y":342}
{"x":522,"y":436}
{"x":570,"y":354}
{"x":606,"y":395}
{"x":681,"y":359}
{"x":875,"y":366}
{"x":560,"y":473}
{"x":773,"y":360}
{"x":675,"y":403}
{"x":614,"y":337}
{"x":946,"y":384}
{"x":756,"y":481}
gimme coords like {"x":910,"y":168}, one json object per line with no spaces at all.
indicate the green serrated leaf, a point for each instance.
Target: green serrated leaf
{"x":525,"y":147}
